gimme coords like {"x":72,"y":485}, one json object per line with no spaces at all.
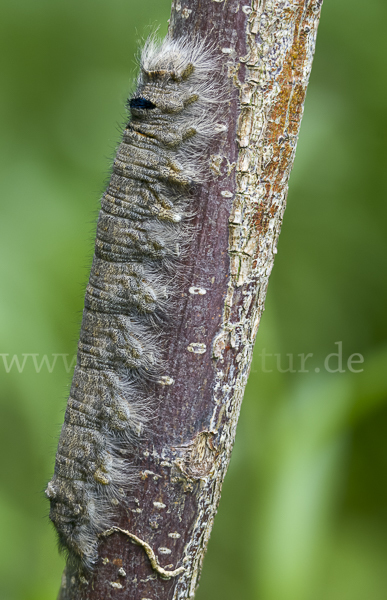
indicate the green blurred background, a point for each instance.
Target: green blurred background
{"x":304,"y":510}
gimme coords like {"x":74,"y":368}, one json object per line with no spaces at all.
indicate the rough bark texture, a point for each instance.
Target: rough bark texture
{"x":267,"y":50}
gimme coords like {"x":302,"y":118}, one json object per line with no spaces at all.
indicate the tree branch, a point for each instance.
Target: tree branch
{"x":267,"y":50}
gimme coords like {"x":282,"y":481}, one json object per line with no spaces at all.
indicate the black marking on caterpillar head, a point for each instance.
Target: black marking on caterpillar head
{"x":141,"y":103}
{"x":141,"y":230}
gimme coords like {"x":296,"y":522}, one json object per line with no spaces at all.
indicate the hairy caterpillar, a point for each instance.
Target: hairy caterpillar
{"x":141,"y":230}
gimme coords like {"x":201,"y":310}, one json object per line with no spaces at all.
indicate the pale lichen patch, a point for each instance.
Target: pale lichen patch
{"x":197,"y":290}
{"x":116,"y":585}
{"x":166,"y":380}
{"x":197,"y":348}
{"x":215,"y":163}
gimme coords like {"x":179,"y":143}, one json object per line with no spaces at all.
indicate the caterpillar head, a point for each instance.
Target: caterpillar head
{"x":161,"y":91}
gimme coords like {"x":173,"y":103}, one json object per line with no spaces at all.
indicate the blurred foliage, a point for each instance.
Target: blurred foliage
{"x":304,"y":511}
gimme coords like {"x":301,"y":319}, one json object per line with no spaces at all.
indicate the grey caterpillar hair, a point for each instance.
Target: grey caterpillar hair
{"x":142,"y":227}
